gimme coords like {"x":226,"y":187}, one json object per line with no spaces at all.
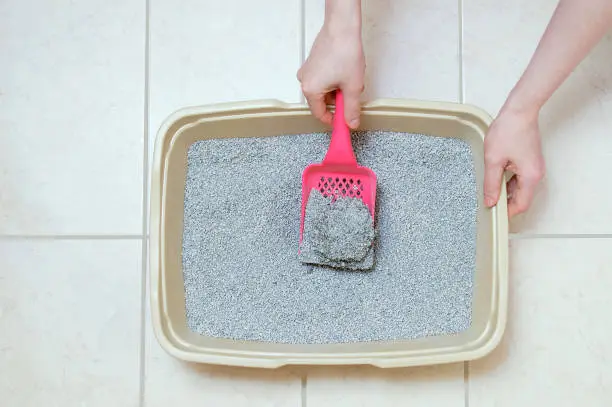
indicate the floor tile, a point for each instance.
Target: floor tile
{"x":499,"y":39}
{"x":440,"y":386}
{"x":77,"y":67}
{"x":556,"y":350}
{"x":173,"y":382}
{"x":411,"y":47}
{"x":221,"y":51}
{"x":69,"y":323}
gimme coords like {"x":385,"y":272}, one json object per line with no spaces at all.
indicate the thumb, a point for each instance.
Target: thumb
{"x":492,"y":182}
{"x":352,"y":107}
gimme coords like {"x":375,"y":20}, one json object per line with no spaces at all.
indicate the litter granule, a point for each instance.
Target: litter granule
{"x":337,"y":234}
{"x":243,"y":277}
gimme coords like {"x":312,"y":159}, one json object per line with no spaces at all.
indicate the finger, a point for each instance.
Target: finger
{"x":352,"y":107}
{"x":318,"y":107}
{"x":522,"y":193}
{"x":494,"y":171}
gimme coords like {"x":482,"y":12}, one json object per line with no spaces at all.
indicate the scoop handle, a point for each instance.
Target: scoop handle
{"x":340,"y":151}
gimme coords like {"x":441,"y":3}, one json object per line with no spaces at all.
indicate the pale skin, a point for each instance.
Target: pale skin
{"x":513,"y":142}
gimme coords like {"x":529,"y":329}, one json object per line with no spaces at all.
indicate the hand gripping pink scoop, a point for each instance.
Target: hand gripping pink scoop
{"x":339,"y":175}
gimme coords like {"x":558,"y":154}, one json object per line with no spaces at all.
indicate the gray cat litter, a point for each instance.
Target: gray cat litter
{"x":245,"y":281}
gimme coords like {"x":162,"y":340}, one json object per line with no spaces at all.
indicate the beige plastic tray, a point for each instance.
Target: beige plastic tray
{"x":273,"y":118}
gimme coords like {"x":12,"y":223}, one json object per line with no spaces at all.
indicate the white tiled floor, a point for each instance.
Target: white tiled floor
{"x":74,"y":101}
{"x":71,"y":102}
{"x":70,"y":322}
{"x":367,"y":386}
{"x":556,"y":350}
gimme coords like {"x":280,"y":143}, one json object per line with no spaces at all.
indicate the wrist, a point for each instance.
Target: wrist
{"x":522,"y":105}
{"x":343,"y":18}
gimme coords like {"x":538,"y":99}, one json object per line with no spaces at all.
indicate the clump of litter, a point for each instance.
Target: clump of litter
{"x":337,"y":233}
{"x":244,"y":280}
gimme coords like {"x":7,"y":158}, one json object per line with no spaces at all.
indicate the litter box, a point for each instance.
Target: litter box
{"x":273,"y":118}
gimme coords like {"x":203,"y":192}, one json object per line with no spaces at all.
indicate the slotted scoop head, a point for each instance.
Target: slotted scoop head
{"x":339,"y":175}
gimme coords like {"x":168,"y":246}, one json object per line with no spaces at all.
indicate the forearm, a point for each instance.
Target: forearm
{"x":575,"y":28}
{"x":343,"y":17}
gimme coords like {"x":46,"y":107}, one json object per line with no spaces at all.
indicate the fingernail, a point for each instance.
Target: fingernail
{"x":354,"y":123}
{"x":489,"y":201}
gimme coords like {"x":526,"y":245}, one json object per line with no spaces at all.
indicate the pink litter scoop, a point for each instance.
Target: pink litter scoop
{"x":339,"y":175}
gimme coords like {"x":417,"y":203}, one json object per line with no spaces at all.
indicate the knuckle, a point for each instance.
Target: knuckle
{"x":541,"y":171}
{"x":306,"y":87}
{"x":493,"y":158}
{"x":521,"y":206}
{"x":356,"y":88}
{"x":307,"y":83}
{"x":535,"y":174}
{"x":538,"y":176}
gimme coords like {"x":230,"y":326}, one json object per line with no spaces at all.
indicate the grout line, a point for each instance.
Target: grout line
{"x":71,"y":237}
{"x":304,"y":389}
{"x":466,"y":383}
{"x":302,"y":41}
{"x":145,"y":194}
{"x":525,"y":236}
{"x":461,"y":68}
